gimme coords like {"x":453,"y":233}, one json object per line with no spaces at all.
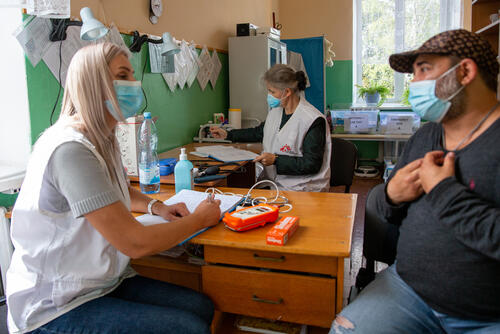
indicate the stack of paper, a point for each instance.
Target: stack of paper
{"x":227,"y":153}
{"x":192,"y":199}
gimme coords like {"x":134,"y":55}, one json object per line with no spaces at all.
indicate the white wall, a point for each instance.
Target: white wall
{"x":14,"y":111}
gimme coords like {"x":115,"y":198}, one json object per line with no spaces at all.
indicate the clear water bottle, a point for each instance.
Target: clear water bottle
{"x":149,"y":167}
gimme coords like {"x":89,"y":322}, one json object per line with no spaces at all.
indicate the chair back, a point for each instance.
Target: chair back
{"x":342,"y":163}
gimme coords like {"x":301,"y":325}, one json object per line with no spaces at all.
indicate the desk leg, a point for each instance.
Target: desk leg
{"x":340,"y":285}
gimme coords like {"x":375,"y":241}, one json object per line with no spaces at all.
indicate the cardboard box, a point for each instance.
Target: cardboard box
{"x":282,"y":231}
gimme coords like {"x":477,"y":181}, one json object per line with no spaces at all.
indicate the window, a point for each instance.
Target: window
{"x":383,"y":27}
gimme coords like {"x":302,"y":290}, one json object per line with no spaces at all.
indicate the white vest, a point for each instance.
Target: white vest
{"x":289,"y":140}
{"x":59,"y":262}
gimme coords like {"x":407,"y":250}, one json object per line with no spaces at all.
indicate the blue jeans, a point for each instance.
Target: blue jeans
{"x":389,"y":306}
{"x":138,"y":305}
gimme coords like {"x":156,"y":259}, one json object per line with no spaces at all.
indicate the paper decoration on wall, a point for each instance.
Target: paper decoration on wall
{"x":156,"y":60}
{"x":193,"y":71}
{"x":206,"y":65}
{"x":171,"y":80}
{"x":33,"y":36}
{"x":69,"y":46}
{"x":181,"y":68}
{"x":216,"y":69}
{"x":55,"y":9}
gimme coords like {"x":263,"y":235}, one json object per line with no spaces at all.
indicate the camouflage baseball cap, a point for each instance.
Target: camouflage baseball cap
{"x":461,"y":43}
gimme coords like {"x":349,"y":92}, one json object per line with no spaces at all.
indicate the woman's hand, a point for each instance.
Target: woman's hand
{"x":171,"y":212}
{"x":209,"y":211}
{"x":267,"y":159}
{"x":218,"y":132}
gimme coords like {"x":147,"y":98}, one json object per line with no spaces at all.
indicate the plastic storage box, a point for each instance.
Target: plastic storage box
{"x":397,"y":123}
{"x":355,"y":120}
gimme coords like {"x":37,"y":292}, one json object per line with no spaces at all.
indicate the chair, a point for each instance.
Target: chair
{"x":342,"y":163}
{"x":379,"y":240}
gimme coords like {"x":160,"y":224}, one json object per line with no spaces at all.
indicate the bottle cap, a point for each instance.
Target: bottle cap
{"x":147,"y":115}
{"x":183,"y":155}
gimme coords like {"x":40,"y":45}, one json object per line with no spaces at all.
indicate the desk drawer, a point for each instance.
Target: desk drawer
{"x":272,"y":260}
{"x":289,"y":297}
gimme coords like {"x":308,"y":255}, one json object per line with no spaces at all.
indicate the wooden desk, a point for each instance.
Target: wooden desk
{"x":242,"y":180}
{"x":300,"y":282}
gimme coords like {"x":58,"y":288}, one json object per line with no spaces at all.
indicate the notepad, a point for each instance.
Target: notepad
{"x":226,"y":153}
{"x":192,"y":199}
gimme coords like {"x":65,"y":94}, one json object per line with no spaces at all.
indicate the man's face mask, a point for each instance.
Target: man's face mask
{"x":129,"y":96}
{"x":424,"y":101}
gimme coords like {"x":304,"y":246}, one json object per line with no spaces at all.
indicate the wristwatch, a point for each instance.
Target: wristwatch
{"x":150,"y":206}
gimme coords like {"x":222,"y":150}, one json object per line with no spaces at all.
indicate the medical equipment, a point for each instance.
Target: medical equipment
{"x":248,"y":218}
{"x":204,"y":134}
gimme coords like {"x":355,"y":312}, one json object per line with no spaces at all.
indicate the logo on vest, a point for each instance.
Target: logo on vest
{"x":285,"y":148}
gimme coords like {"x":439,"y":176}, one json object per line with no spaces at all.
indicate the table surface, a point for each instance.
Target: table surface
{"x":325,"y":224}
{"x":175,"y":152}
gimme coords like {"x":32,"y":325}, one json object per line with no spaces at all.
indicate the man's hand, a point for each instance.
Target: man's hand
{"x":267,"y":159}
{"x":405,"y":185}
{"x":435,"y":168}
{"x":172,"y":212}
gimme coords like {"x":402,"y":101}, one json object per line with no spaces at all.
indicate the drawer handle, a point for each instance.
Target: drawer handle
{"x":267,"y":301}
{"x":273,"y":259}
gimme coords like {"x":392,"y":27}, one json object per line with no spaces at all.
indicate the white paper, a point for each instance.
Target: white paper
{"x":181,"y":69}
{"x":192,"y":199}
{"x":356,"y":123}
{"x":56,"y":9}
{"x":170,"y":79}
{"x":399,"y":124}
{"x":227,"y":153}
{"x":69,"y":47}
{"x":205,"y":68}
{"x":216,"y":68}
{"x":157,"y":61}
{"x":194,"y":68}
{"x":34,"y":38}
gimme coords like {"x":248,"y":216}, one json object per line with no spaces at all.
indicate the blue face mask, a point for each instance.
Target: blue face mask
{"x":129,"y":96}
{"x":424,"y":101}
{"x":272,"y":101}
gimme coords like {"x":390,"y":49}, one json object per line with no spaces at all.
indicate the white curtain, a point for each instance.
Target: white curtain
{"x":451,"y":15}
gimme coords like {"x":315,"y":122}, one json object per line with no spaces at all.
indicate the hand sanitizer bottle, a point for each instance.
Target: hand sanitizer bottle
{"x":183,"y":173}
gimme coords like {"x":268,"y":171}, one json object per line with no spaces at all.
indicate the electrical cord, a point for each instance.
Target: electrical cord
{"x":278,"y":200}
{"x":142,"y":87}
{"x":60,"y":83}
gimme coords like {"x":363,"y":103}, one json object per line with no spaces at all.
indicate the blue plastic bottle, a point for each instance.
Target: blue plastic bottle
{"x":183,"y":173}
{"x":149,"y":167}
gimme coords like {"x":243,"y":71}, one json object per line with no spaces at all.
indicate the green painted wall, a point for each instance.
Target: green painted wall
{"x":179,"y":113}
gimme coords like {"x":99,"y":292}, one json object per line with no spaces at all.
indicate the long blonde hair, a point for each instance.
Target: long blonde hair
{"x":89,"y":82}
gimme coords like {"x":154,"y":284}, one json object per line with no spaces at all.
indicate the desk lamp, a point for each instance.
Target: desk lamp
{"x":91,"y":29}
{"x":169,"y":47}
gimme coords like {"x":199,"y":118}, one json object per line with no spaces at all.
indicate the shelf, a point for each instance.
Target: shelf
{"x":491,"y":28}
{"x":370,"y":137}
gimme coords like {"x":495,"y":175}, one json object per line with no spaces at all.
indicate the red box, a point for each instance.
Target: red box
{"x":282,"y":231}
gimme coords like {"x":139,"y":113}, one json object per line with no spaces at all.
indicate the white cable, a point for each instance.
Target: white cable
{"x":278,"y":200}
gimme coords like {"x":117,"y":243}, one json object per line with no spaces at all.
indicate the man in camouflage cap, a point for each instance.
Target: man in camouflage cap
{"x":445,"y":194}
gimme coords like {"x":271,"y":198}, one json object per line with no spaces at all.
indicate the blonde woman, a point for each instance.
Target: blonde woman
{"x":72,"y":229}
{"x":295,"y":138}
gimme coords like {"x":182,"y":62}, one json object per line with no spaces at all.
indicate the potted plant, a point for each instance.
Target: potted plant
{"x":374,"y":95}
{"x":404,"y":97}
